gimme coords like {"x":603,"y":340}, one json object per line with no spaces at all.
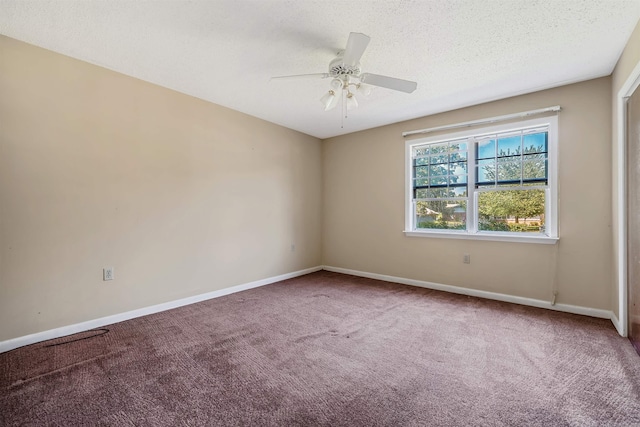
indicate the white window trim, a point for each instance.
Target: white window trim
{"x":551,"y":208}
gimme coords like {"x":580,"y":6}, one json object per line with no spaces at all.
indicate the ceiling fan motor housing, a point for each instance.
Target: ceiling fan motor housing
{"x":337,"y":68}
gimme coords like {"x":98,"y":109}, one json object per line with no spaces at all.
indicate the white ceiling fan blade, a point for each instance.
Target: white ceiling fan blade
{"x":388,"y":82}
{"x":302,"y":76}
{"x":356,"y":45}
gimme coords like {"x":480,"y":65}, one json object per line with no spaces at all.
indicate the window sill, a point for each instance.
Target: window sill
{"x":539,"y":239}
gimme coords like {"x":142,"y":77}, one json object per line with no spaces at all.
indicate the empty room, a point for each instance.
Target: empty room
{"x":320,"y":213}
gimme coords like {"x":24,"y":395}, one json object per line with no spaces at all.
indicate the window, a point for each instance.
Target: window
{"x":495,"y":183}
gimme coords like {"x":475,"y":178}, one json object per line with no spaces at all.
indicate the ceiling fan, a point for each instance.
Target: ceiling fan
{"x":347,"y":76}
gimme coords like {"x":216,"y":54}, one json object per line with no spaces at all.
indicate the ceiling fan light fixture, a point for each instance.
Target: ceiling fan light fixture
{"x":329,"y":100}
{"x":352,"y":102}
{"x":364,"y":89}
{"x":336,"y":85}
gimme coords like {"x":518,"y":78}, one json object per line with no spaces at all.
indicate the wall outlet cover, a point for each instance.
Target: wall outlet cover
{"x":107,"y":273}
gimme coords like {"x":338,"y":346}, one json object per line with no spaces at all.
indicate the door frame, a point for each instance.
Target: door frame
{"x":629,"y":86}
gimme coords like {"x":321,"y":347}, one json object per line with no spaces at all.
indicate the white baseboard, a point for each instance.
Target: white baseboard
{"x":108,"y":320}
{"x":587,"y":311}
{"x":618,"y":325}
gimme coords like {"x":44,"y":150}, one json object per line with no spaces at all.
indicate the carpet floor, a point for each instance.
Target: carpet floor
{"x":329,"y":349}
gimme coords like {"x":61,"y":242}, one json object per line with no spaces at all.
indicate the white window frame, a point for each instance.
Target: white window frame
{"x":550,"y":236}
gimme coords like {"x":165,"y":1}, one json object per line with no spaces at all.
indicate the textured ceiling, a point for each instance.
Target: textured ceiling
{"x":461,"y":52}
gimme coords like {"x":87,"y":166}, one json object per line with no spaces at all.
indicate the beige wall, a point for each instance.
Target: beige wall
{"x":180,"y":196}
{"x":363,"y":210}
{"x":628,"y":61}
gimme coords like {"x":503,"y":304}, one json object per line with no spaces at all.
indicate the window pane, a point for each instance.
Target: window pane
{"x":535,"y":142}
{"x":443,"y":170}
{"x":422,"y":172}
{"x":420,"y":151}
{"x":432,"y":193}
{"x":458,"y":157}
{"x":420,"y":193}
{"x":519,"y":211}
{"x":439,"y":148}
{"x":486,"y":149}
{"x":438,"y":170}
{"x":442,"y":214}
{"x":535,"y":169}
{"x":508,"y":170}
{"x":438,"y":180}
{"x":509,"y":146}
{"x":458,"y":145}
{"x":436,"y":160}
{"x":459,"y":191}
{"x":535,"y":156}
{"x":457,"y":179}
{"x":458,"y":168}
{"x":486,"y":171}
{"x":420,"y":161}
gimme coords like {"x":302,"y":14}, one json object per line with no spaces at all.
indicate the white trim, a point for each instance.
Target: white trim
{"x":524,"y":238}
{"x":108,"y":320}
{"x":472,"y":196}
{"x":616,"y":323}
{"x":480,"y":122}
{"x":409,"y":209}
{"x":553,"y":184}
{"x":630,"y":85}
{"x":567,"y":308}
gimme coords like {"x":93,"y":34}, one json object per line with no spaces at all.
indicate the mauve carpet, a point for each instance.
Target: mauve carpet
{"x":329,"y":349}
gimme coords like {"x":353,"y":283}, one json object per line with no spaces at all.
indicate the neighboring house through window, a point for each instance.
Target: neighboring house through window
{"x":494,"y":183}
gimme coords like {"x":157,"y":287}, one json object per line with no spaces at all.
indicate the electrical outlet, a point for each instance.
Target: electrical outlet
{"x":466,"y":258}
{"x":107,"y":273}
